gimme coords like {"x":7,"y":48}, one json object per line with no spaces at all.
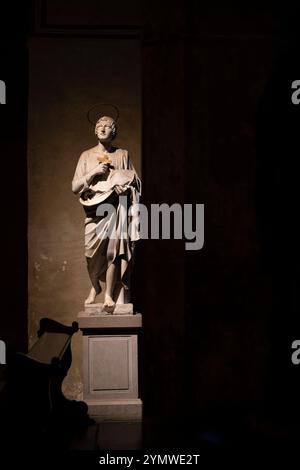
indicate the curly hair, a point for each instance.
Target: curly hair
{"x":111,"y":122}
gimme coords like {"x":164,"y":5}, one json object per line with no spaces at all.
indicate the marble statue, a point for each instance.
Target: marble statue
{"x":105,"y":175}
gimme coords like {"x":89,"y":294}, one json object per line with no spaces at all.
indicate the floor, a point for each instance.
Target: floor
{"x":109,"y":436}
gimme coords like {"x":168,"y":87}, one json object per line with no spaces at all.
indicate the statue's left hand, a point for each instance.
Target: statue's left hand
{"x":121,"y":189}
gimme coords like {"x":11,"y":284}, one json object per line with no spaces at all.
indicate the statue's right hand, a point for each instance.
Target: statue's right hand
{"x":100,"y":169}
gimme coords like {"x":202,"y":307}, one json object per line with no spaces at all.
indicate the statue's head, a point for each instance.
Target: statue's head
{"x":106,"y":129}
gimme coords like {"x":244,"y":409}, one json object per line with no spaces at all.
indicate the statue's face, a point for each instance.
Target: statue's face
{"x":105,"y":131}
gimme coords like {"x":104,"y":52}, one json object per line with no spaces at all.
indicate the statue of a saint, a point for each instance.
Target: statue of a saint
{"x":105,"y":175}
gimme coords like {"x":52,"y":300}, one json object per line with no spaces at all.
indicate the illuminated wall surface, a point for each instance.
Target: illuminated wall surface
{"x":67,"y":76}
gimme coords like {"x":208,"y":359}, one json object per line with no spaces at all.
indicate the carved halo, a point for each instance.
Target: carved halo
{"x":102,"y":109}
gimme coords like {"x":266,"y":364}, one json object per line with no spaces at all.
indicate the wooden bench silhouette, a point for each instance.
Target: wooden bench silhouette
{"x":35,"y":382}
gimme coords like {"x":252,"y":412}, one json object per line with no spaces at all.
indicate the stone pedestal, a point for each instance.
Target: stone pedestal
{"x":110,"y":365}
{"x":119,"y":309}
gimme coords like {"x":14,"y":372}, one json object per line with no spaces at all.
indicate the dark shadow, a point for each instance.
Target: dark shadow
{"x":32,"y":396}
{"x":277,"y":200}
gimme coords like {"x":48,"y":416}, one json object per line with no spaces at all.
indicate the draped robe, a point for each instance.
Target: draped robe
{"x":102,"y":250}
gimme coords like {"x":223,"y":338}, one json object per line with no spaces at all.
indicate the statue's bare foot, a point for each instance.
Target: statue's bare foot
{"x":91,"y":297}
{"x":109,"y":304}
